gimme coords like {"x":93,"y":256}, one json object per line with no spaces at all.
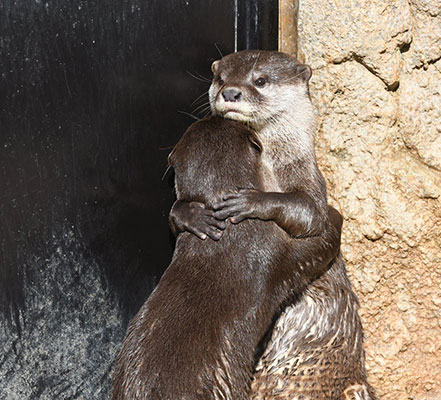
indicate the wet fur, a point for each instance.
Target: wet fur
{"x":315,"y":351}
{"x":196,"y":335}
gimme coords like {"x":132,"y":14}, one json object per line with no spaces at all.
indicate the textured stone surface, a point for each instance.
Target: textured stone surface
{"x":377,"y":90}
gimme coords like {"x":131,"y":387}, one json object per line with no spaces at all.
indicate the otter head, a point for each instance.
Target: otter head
{"x":226,"y":151}
{"x":260,"y":88}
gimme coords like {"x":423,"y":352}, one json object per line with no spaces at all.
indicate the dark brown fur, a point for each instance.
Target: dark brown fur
{"x":196,"y":336}
{"x":316,"y":349}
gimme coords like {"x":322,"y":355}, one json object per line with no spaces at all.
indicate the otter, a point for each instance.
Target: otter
{"x":196,"y":335}
{"x":315,"y":350}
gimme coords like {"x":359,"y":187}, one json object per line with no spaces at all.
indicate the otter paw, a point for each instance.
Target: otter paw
{"x":193,"y":217}
{"x":239,"y":205}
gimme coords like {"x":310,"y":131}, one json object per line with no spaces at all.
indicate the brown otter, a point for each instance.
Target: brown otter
{"x":196,"y":335}
{"x":315,"y":351}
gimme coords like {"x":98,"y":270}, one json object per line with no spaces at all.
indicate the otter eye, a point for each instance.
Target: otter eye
{"x":219,"y":80}
{"x":260,"y":82}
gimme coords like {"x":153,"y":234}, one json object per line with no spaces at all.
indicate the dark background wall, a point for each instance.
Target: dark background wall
{"x":90,"y":94}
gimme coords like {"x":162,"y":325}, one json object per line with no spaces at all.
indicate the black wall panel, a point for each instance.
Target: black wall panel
{"x":90,"y":94}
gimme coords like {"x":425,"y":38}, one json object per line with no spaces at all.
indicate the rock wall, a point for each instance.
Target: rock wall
{"x":377,"y":89}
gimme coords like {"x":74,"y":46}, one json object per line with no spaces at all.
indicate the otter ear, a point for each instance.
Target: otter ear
{"x":304,"y":71}
{"x":215,"y":66}
{"x":256,"y":144}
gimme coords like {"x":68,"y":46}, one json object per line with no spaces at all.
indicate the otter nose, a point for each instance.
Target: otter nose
{"x":232,"y":95}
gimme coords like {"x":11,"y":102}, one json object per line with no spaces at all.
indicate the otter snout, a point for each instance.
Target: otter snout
{"x":232,"y":94}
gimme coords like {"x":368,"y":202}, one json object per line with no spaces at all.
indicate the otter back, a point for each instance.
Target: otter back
{"x":214,"y":156}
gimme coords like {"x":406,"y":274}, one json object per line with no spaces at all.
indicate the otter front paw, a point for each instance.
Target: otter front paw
{"x":246,"y":203}
{"x":193,"y":217}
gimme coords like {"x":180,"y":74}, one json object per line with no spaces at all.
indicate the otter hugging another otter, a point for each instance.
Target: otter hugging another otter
{"x":316,"y":347}
{"x":196,"y":335}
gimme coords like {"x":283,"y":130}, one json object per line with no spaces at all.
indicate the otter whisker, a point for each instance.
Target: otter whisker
{"x":201,"y":79}
{"x":201,"y":106}
{"x":206,"y":110}
{"x":166,"y":172}
{"x":207,"y":113}
{"x":204,"y":77}
{"x":218,"y":49}
{"x":197,"y":98}
{"x":291,"y":78}
{"x":255,"y":62}
{"x":189,"y":114}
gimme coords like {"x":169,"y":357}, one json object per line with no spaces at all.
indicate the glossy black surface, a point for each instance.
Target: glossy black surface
{"x":90,"y":94}
{"x":90,"y":100}
{"x":258,"y":24}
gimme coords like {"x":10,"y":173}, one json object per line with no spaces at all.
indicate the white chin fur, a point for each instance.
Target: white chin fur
{"x":239,"y":111}
{"x":236,"y":116}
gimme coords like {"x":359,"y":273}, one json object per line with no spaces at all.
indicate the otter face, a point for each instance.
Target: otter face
{"x":257,"y":87}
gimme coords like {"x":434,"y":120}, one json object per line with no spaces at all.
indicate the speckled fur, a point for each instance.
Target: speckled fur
{"x":315,"y":350}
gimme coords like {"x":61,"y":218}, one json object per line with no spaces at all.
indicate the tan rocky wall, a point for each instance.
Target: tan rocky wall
{"x":377,"y":90}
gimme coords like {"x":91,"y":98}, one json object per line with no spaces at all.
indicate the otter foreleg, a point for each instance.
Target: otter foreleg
{"x":194,"y":217}
{"x":295,"y":212}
